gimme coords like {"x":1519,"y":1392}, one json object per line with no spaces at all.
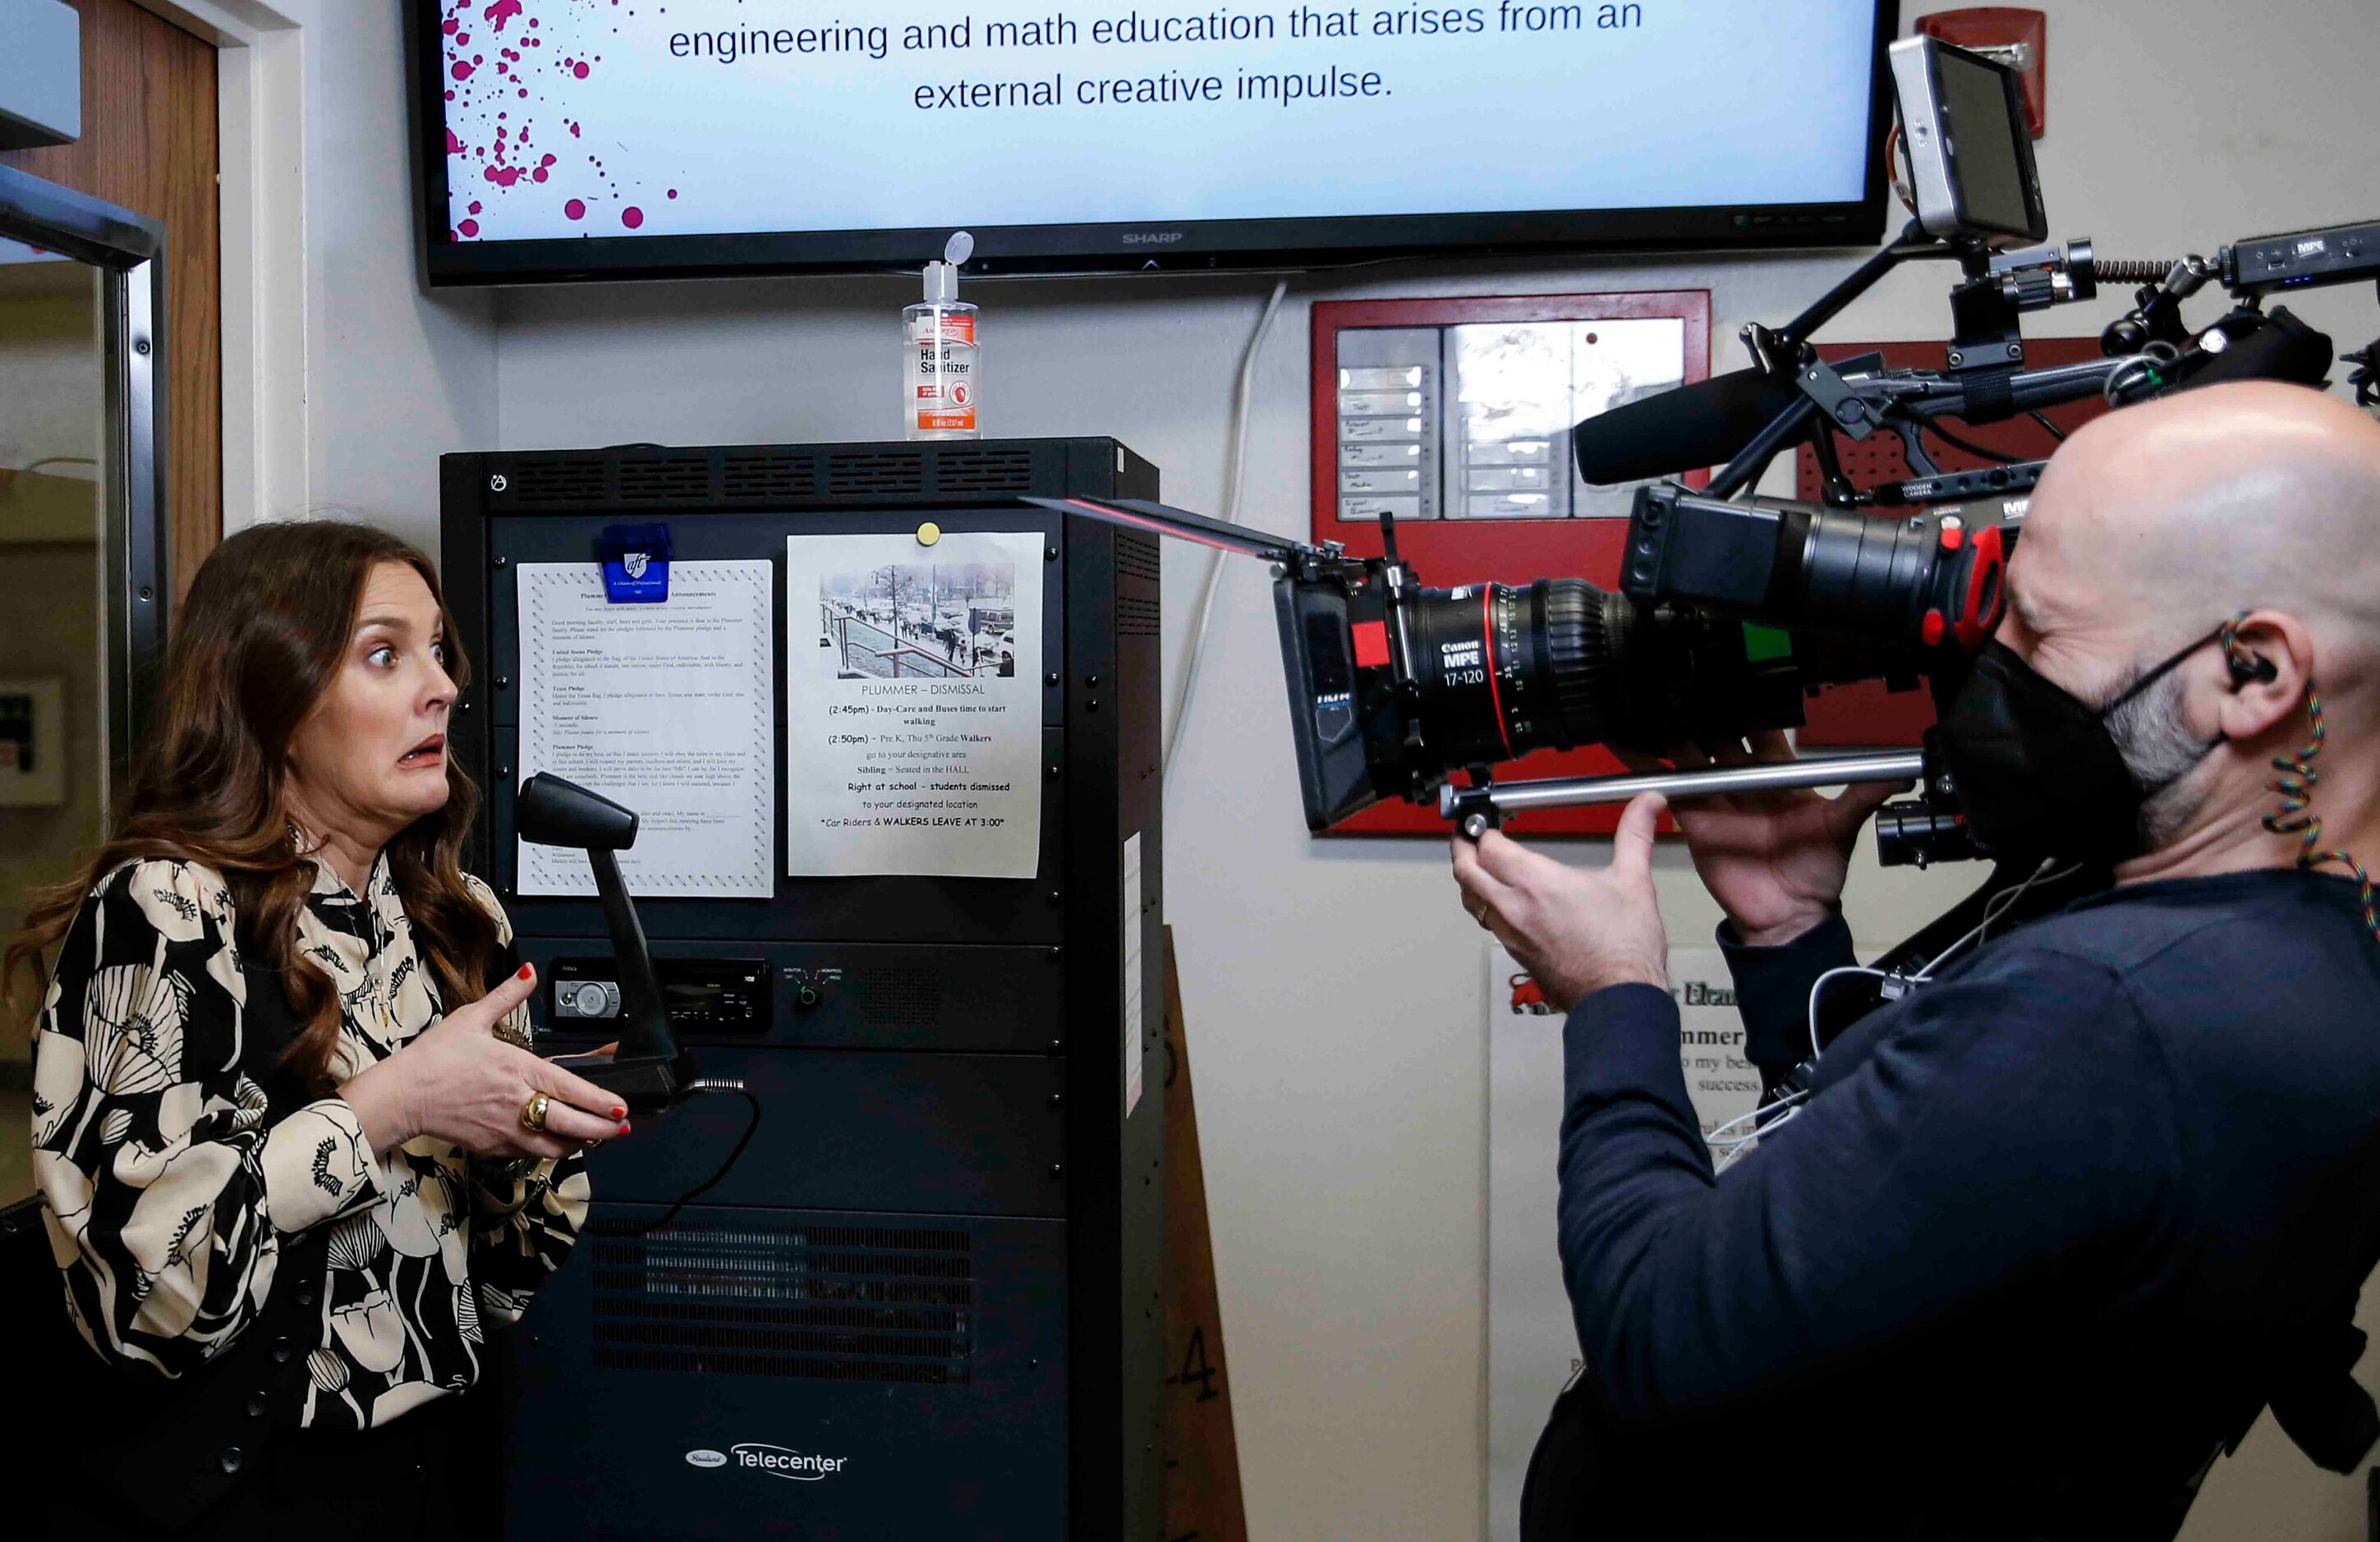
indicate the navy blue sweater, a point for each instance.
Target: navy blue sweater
{"x":2051,"y":1229}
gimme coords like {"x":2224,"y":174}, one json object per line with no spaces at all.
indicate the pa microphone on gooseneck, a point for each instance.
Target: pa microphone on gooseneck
{"x":1707,"y":423}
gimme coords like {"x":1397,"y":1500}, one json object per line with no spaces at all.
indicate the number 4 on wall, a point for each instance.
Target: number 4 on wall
{"x":1195,"y":1368}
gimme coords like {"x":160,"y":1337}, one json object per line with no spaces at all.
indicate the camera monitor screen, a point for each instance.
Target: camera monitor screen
{"x":1985,"y":152}
{"x":567,"y":139}
{"x":1970,"y":145}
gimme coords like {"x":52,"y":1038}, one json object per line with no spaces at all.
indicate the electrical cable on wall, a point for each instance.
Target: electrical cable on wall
{"x":1235,"y":476}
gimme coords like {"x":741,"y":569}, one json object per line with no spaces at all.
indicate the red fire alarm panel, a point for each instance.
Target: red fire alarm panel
{"x":2014,"y":36}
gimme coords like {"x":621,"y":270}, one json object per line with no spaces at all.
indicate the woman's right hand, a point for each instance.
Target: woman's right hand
{"x":1775,"y":862}
{"x":459,"y":1082}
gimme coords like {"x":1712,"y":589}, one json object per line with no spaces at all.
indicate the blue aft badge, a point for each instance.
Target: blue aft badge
{"x":636,"y":563}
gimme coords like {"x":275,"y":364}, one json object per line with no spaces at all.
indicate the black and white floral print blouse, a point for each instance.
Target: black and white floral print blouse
{"x":175,"y":1203}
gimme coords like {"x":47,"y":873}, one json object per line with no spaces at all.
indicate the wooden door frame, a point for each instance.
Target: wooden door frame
{"x":260,"y":118}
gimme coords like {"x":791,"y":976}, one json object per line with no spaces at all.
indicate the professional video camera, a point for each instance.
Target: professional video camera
{"x":1732,"y":609}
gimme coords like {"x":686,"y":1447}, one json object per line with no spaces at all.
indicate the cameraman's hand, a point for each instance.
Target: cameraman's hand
{"x":1775,"y":861}
{"x":456,"y":1081}
{"x":1575,"y":932}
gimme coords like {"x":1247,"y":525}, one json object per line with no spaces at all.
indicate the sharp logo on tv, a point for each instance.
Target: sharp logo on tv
{"x":774,"y":1461}
{"x":1152,"y":238}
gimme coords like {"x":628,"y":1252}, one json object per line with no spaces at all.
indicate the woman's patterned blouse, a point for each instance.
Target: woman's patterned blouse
{"x":170,"y":1203}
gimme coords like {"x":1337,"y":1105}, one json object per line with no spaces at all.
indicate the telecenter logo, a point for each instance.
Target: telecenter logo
{"x":777,"y":1462}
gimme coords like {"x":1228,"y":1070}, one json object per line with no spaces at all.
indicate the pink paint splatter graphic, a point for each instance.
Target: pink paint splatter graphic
{"x":492,"y":156}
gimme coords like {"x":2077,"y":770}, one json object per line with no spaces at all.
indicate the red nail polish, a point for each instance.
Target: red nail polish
{"x":620,"y":1113}
{"x":524,"y":971}
{"x":623,"y":1126}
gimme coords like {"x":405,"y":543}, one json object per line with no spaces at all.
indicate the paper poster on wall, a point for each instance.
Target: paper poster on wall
{"x":913,"y":705}
{"x":1532,"y":1344}
{"x":668,"y":709}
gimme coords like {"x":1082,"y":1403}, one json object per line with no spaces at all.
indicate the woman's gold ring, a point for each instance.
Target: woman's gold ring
{"x":533,"y":1112}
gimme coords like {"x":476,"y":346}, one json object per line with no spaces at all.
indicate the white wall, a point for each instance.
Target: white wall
{"x":394,"y":377}
{"x":1331,"y":988}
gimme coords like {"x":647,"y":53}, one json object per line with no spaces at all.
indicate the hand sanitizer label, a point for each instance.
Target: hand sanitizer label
{"x":943,"y":363}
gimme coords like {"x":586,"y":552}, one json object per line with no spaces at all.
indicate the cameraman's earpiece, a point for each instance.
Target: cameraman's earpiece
{"x":2249,"y":669}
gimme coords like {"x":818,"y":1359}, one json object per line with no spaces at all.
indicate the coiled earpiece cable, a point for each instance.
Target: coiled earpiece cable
{"x":2297,"y":779}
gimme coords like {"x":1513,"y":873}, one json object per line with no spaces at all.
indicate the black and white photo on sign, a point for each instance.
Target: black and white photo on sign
{"x":921,"y":619}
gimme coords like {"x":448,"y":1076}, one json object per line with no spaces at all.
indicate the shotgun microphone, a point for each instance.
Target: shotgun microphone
{"x":1707,"y":423}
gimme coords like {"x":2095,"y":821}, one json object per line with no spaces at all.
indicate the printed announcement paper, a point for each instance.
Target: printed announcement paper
{"x":913,"y":706}
{"x":666,"y":709}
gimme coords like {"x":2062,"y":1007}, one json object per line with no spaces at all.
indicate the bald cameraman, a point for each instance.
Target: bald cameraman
{"x":2052,"y":1229}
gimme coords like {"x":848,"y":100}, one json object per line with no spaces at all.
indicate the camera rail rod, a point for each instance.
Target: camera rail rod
{"x":1477,"y":810}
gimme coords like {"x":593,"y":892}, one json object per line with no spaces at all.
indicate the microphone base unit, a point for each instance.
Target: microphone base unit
{"x":647,"y":1083}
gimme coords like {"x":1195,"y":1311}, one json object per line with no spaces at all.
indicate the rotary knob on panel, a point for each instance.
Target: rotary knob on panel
{"x":586,"y":999}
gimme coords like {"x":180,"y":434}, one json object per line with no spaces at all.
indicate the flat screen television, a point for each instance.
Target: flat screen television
{"x":596,"y":139}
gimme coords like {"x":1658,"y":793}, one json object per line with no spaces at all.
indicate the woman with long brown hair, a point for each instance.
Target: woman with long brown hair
{"x":294,"y":1151}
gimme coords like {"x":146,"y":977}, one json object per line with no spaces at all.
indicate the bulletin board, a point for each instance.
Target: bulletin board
{"x":1455,"y":415}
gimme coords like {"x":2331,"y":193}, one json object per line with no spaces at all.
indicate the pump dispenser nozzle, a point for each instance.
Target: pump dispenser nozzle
{"x":943,"y":377}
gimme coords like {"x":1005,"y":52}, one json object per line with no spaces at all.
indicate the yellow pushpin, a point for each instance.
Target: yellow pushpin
{"x":928,"y":533}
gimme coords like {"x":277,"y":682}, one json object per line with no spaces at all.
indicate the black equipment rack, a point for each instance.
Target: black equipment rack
{"x":926,"y":1303}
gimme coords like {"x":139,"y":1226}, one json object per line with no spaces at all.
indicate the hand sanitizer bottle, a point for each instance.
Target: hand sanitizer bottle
{"x":942,"y":382}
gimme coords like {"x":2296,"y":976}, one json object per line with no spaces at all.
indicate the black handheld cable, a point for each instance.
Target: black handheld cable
{"x":751,"y":1128}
